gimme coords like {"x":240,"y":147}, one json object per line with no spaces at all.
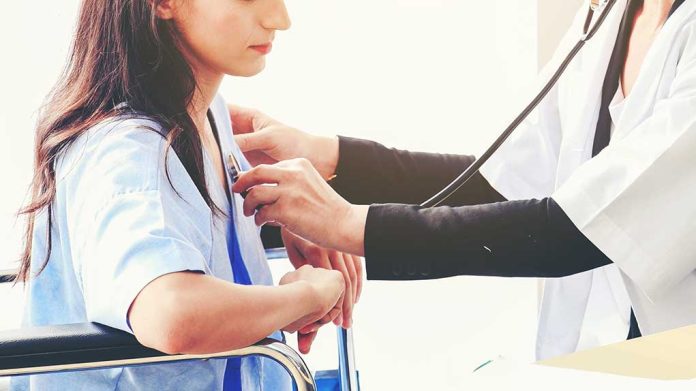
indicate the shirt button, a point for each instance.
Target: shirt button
{"x":396,"y":269}
{"x":425,"y":270}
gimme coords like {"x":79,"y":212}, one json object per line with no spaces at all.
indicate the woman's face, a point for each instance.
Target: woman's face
{"x":226,"y":36}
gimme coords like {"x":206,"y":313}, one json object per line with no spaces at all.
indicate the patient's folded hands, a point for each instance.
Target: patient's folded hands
{"x":302,"y":252}
{"x":325,"y":291}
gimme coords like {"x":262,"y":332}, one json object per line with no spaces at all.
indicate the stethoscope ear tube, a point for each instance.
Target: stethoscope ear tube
{"x":458,"y":182}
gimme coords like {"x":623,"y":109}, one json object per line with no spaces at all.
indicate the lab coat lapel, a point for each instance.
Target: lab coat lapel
{"x":582,"y":93}
{"x":646,"y":90}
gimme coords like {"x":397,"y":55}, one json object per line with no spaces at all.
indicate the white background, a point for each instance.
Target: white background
{"x":432,"y":75}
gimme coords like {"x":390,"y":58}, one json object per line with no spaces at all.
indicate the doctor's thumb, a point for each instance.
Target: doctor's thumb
{"x":252,"y":141}
{"x":242,"y":118}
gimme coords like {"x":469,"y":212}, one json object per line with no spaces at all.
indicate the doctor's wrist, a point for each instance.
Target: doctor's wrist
{"x":351,"y":230}
{"x":324,"y":155}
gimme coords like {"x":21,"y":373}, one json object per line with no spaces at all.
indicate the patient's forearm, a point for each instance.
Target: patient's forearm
{"x":196,"y":314}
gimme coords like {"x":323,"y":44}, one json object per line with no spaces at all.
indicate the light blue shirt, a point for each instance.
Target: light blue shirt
{"x":118,"y":224}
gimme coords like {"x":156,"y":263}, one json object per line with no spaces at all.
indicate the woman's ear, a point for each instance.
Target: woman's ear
{"x":164,"y":9}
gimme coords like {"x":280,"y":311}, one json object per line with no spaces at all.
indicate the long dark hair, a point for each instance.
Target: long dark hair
{"x":121,"y":52}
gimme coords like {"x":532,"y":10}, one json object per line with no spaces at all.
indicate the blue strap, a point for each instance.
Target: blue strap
{"x":241,"y":274}
{"x":233,"y":372}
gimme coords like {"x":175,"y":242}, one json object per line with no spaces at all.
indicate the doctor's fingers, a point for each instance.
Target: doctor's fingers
{"x":357,"y":261}
{"x":259,"y":175}
{"x":260,"y":140}
{"x":294,"y":170}
{"x":258,"y":197}
{"x":242,"y":118}
{"x":338,"y":262}
{"x":297,"y":259}
{"x":246,"y":120}
{"x":350,"y":265}
{"x":315,"y":255}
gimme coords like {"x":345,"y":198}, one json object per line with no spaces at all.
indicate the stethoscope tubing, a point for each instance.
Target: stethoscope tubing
{"x":467,"y":174}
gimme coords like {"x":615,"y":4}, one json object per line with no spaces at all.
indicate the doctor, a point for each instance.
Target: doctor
{"x":596,"y":192}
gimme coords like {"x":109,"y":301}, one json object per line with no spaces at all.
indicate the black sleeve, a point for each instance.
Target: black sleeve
{"x":368,"y":173}
{"x":530,"y":238}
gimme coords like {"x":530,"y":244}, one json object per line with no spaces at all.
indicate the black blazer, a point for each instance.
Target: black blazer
{"x":477,"y":232}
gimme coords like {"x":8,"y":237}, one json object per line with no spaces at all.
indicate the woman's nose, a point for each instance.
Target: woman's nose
{"x":277,"y":17}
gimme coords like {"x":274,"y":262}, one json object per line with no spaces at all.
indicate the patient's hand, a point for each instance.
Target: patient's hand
{"x":303,"y":252}
{"x":328,"y":287}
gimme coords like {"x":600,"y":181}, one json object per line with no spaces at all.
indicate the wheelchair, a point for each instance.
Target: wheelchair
{"x":85,"y":346}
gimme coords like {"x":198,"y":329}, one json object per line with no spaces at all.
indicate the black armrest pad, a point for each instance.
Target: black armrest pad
{"x":6,"y":278}
{"x":68,"y":344}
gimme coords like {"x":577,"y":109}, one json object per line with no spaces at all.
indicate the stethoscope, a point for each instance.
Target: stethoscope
{"x":458,"y":182}
{"x":588,"y":33}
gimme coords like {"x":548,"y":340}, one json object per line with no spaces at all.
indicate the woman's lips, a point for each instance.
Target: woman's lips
{"x":263,"y":49}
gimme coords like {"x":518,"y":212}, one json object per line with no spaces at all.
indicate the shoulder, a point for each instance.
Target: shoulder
{"x":687,"y":32}
{"x":116,"y":156}
{"x":685,"y":35}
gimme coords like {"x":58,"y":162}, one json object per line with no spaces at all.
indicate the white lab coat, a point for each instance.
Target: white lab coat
{"x":636,"y":200}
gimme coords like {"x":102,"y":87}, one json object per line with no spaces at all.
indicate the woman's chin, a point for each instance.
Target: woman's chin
{"x":249,"y":70}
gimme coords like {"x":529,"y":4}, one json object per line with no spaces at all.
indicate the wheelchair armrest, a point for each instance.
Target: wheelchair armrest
{"x":7,"y":276}
{"x":74,"y":347}
{"x":82,"y":346}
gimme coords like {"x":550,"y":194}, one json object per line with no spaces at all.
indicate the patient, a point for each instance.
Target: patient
{"x":132,"y":223}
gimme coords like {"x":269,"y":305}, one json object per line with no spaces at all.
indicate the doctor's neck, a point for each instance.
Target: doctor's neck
{"x":657,"y":6}
{"x":653,"y":14}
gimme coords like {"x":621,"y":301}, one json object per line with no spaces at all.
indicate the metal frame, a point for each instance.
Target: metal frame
{"x":270,"y":348}
{"x":347,"y":369}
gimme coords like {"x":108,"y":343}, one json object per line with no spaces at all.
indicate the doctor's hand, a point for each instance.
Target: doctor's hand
{"x":293,"y":194}
{"x":303,"y":252}
{"x":264,"y":140}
